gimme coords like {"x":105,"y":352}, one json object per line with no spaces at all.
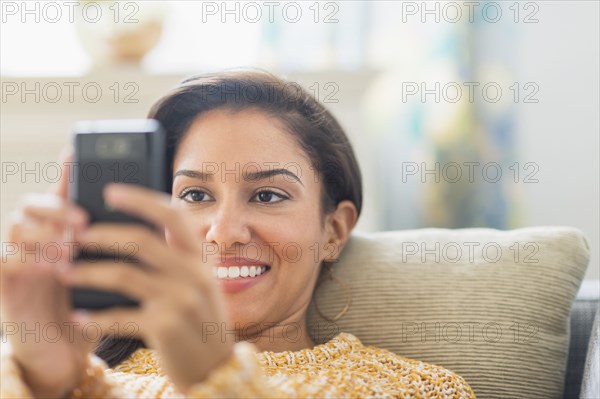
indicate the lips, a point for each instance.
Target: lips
{"x":239,"y":284}
{"x":239,"y":261}
{"x":236,"y":274}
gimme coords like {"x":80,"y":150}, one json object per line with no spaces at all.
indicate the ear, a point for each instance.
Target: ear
{"x":339,"y":226}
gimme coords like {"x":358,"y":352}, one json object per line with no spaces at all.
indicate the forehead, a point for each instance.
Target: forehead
{"x":244,"y":137}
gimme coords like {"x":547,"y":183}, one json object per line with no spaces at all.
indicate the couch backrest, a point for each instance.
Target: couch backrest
{"x":492,"y":306}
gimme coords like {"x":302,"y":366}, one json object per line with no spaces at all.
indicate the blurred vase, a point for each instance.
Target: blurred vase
{"x":120,"y":32}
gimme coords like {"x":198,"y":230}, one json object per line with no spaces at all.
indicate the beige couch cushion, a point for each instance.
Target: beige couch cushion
{"x":492,"y":306}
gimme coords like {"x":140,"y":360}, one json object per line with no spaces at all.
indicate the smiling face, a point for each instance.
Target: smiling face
{"x":274,"y":220}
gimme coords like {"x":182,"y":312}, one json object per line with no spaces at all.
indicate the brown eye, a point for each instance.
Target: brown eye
{"x":192,"y":196}
{"x":266,"y":196}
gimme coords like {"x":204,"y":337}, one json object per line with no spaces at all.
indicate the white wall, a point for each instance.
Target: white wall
{"x":561,"y":133}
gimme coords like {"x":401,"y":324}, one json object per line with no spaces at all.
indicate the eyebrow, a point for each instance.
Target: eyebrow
{"x":253,"y":176}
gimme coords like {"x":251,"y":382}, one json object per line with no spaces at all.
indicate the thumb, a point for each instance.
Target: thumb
{"x":61,"y":188}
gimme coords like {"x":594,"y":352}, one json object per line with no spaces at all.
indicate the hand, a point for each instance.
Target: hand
{"x":176,"y":289}
{"x":32,"y":295}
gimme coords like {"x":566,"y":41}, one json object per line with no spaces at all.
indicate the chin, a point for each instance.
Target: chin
{"x":245,"y":319}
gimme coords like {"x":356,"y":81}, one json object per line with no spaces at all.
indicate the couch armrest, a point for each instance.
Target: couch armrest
{"x":581,"y":322}
{"x":590,"y":386}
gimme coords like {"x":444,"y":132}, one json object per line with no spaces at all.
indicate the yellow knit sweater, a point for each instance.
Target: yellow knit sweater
{"x":340,"y":368}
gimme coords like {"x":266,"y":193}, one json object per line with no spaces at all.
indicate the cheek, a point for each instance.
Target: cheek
{"x":299,"y":246}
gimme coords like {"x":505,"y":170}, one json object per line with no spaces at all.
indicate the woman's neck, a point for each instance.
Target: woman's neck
{"x":288,"y":335}
{"x":284,"y":344}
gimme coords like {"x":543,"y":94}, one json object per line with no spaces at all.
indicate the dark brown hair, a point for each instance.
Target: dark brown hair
{"x":315,"y":129}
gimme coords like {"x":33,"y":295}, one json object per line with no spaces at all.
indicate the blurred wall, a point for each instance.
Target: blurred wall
{"x":560,"y":133}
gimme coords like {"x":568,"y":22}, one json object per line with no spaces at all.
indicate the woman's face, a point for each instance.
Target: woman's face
{"x":273,"y":220}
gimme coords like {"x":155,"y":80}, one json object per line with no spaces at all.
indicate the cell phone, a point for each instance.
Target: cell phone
{"x":127,"y":151}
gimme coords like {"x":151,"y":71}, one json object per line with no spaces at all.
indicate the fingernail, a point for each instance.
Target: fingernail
{"x":77,"y":217}
{"x":80,"y":316}
{"x":113,"y":192}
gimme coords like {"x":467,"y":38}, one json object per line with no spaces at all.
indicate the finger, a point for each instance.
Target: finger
{"x":61,"y":188}
{"x":111,"y":276}
{"x":24,"y":230}
{"x":53,"y":209}
{"x":130,"y":241}
{"x":139,"y":243}
{"x":32,"y":242}
{"x":155,"y":207}
{"x":122,"y":322}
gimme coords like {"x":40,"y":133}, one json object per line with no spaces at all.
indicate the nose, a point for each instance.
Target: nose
{"x":228,"y":226}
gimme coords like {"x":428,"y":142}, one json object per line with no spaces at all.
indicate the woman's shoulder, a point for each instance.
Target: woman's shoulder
{"x":407,"y":373}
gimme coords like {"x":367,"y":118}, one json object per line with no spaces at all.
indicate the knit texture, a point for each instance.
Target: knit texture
{"x":341,"y":368}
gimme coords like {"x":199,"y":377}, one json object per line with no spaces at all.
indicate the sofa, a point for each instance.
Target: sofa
{"x":583,"y":347}
{"x":506,"y":310}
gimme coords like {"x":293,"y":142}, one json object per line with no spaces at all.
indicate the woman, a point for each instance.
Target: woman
{"x":265,"y":190}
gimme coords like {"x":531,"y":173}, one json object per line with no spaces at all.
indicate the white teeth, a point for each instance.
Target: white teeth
{"x":235,"y":272}
{"x":222,"y":273}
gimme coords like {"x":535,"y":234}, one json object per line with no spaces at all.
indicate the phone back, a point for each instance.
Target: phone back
{"x":125,"y":151}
